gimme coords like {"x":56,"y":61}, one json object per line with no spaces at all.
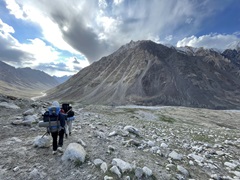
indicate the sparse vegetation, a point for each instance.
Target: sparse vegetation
{"x":77,"y":163}
{"x":203,"y":138}
{"x":167,"y":119}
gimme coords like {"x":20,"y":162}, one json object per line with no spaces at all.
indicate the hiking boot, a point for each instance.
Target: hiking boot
{"x":70,"y":134}
{"x":54,"y":152}
{"x":66,"y":136}
{"x":60,"y":149}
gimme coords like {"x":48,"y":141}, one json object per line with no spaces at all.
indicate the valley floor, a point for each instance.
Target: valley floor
{"x":174,"y":142}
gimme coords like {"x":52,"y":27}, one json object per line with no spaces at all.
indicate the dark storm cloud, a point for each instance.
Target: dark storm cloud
{"x":78,"y":34}
{"x":9,"y":53}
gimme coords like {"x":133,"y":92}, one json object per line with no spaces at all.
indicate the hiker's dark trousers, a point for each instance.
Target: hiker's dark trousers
{"x":55,"y":139}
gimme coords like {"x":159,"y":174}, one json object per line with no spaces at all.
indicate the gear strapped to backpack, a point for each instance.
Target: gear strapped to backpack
{"x":52,"y":117}
{"x":68,"y":110}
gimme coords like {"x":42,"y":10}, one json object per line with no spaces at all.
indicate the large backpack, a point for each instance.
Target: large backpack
{"x":52,"y":117}
{"x":68,"y":109}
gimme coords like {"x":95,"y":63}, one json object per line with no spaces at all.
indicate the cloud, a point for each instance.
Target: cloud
{"x":96,"y":28}
{"x":218,"y":41}
{"x":9,"y":46}
{"x":35,"y":54}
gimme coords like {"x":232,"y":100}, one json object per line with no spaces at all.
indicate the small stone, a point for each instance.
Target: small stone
{"x":163,"y":145}
{"x":126,"y":178}
{"x":114,"y":133}
{"x":122,"y":165}
{"x":111,"y":148}
{"x":138,"y":172}
{"x":147,"y":171}
{"x":196,"y":157}
{"x":175,"y":156}
{"x":154,"y":149}
{"x":131,"y":129}
{"x":29,"y":112}
{"x":237,"y":173}
{"x":230,"y":165}
{"x":191,"y":163}
{"x":16,"y":169}
{"x":150,"y":143}
{"x":183,"y":170}
{"x":97,"y":162}
{"x":220,"y":153}
{"x":115,"y":170}
{"x":170,"y":167}
{"x":107,"y":178}
{"x":104,"y":167}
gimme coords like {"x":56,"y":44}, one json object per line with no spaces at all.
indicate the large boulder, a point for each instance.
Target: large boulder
{"x":74,"y":152}
{"x":42,"y":142}
{"x":9,"y":105}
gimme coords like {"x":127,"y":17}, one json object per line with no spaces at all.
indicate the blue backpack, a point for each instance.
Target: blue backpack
{"x":52,"y":117}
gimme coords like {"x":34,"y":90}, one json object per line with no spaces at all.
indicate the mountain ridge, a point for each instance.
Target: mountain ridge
{"x":146,"y":73}
{"x":24,"y":82}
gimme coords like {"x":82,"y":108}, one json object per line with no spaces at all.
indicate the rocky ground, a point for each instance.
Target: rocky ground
{"x":127,"y":142}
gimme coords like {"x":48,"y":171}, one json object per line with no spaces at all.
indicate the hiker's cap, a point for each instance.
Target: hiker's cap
{"x":55,"y":104}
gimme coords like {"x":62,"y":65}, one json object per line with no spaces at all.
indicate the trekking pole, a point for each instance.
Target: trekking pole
{"x":44,"y":134}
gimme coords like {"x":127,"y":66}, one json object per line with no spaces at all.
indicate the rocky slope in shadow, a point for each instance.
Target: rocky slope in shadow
{"x":146,"y":73}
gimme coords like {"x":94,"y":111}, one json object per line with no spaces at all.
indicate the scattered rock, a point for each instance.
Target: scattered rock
{"x":9,"y":105}
{"x":147,"y":172}
{"x":97,"y":162}
{"x":116,"y":171}
{"x":183,"y":170}
{"x":104,"y":167}
{"x":175,"y":156}
{"x":138,"y":172}
{"x":132,"y":129}
{"x":230,"y":165}
{"x":29,"y":112}
{"x":122,"y":165}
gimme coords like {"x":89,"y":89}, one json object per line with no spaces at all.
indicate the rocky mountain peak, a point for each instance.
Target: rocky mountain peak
{"x":147,"y":73}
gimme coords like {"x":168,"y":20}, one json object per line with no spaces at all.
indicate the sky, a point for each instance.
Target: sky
{"x":60,"y":37}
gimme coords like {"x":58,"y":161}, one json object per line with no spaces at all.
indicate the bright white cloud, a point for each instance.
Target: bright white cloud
{"x":40,"y":51}
{"x":5,"y":29}
{"x":218,"y":41}
{"x":95,"y":28}
{"x":68,"y":25}
{"x":34,"y":53}
{"x":50,"y":30}
{"x":117,"y":2}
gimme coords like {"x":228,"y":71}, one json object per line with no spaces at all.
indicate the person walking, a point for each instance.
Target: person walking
{"x":57,"y":132}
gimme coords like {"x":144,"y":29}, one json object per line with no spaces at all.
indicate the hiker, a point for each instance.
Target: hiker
{"x":57,"y":130}
{"x":67,"y":109}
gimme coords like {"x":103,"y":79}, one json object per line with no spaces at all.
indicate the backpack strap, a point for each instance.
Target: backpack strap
{"x":50,"y":126}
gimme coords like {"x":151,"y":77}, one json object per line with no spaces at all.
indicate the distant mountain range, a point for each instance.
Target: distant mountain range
{"x":146,"y":73}
{"x":24,"y":82}
{"x":61,"y":79}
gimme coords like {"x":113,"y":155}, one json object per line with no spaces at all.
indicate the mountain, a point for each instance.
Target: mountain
{"x":61,"y":79}
{"x":146,"y":73}
{"x":23,"y":82}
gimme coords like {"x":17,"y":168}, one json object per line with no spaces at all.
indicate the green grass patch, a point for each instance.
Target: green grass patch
{"x":132,"y":111}
{"x":77,"y":163}
{"x":203,"y":138}
{"x":167,"y":119}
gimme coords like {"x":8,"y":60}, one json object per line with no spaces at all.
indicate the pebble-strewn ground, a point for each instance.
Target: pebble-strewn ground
{"x":156,"y":143}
